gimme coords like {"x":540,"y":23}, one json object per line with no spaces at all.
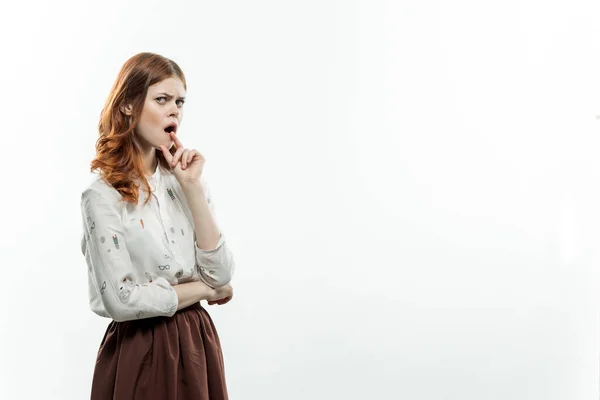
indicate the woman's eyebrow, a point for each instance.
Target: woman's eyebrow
{"x":169,"y":95}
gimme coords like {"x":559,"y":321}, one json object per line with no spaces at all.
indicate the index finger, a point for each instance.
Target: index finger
{"x":176,"y":140}
{"x":166,"y":153}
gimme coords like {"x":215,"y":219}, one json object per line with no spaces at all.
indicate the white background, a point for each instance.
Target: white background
{"x":410,"y":189}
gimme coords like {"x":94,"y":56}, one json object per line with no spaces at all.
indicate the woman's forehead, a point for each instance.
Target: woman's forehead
{"x":170,"y":86}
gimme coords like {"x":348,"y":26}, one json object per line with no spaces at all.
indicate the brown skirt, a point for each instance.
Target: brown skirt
{"x":166,"y":358}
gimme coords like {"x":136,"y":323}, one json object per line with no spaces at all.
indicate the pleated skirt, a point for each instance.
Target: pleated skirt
{"x":166,"y":358}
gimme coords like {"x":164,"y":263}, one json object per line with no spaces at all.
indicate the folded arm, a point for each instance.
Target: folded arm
{"x":110,"y":266}
{"x":214,"y":260}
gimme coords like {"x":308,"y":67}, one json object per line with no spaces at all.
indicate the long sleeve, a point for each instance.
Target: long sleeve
{"x":215,"y":266}
{"x":110,"y":267}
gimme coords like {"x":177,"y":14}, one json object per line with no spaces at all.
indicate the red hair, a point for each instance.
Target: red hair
{"x":117,"y":156}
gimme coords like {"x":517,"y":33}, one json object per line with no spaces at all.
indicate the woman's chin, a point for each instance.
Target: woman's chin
{"x":168,"y":144}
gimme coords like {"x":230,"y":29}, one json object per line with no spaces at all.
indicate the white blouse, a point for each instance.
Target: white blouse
{"x":135,"y":253}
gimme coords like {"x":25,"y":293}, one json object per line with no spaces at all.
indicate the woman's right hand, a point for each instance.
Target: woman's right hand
{"x":220,"y":295}
{"x":192,"y":292}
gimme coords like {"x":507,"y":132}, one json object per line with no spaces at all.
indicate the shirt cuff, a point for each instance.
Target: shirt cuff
{"x":215,"y":266}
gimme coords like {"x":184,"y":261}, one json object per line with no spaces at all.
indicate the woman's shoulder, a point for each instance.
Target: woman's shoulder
{"x":98,"y":187}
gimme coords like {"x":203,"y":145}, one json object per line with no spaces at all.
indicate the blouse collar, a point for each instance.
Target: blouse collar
{"x":153,"y":180}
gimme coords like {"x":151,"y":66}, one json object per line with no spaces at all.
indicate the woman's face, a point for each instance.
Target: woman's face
{"x":163,"y":108}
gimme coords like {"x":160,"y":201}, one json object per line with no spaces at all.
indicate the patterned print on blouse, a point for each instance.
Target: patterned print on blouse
{"x":146,"y":276}
{"x":210,"y":272}
{"x":125,"y":290}
{"x":91,"y":223}
{"x":171,"y":193}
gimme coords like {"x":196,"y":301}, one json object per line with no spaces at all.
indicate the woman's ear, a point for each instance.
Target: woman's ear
{"x":126,"y":109}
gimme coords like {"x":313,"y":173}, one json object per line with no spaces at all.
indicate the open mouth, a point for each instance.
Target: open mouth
{"x":171,"y":128}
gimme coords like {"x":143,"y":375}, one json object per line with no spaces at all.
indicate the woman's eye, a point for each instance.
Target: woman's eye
{"x":179,"y":102}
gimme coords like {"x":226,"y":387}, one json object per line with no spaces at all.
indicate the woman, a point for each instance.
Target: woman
{"x":152,"y":245}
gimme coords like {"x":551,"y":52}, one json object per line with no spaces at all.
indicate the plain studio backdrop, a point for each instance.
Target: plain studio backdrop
{"x":410,"y":189}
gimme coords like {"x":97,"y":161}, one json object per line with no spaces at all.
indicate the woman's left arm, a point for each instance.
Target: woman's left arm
{"x":213,"y":257}
{"x":205,"y":226}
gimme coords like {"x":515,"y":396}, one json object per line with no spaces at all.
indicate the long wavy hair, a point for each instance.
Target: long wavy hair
{"x":118,"y":158}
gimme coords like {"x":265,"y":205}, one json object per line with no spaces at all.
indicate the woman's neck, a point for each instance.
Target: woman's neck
{"x":149,"y":157}
{"x":150,"y":162}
